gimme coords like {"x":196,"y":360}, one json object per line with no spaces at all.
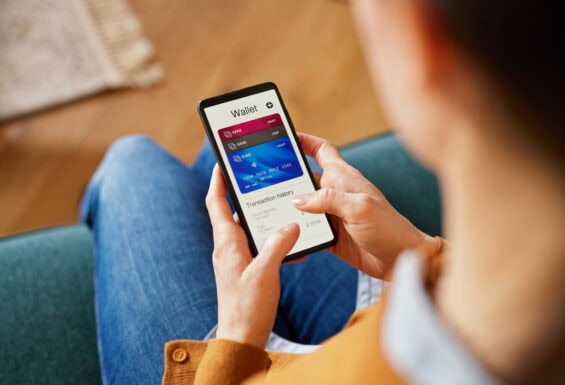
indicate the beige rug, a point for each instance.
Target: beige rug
{"x":55,"y":51}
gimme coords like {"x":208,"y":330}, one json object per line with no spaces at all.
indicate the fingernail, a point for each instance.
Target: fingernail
{"x":291,"y":226}
{"x":300,"y":200}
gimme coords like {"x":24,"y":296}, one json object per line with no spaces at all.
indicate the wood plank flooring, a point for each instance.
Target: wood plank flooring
{"x":308,"y":48}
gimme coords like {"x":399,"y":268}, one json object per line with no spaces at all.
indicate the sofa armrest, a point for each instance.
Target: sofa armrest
{"x":47,"y":328}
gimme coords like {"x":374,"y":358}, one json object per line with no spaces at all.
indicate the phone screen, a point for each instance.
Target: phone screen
{"x":265,"y":168}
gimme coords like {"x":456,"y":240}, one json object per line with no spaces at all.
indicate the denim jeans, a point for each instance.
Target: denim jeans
{"x":154,"y":279}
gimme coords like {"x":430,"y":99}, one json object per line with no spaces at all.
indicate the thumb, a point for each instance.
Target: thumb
{"x":277,"y":246}
{"x":326,"y":200}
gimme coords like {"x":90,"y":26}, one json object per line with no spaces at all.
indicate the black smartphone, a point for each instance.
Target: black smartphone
{"x":264,"y":166}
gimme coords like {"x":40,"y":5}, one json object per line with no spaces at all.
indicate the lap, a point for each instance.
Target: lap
{"x":154,"y":276}
{"x":318,"y":296}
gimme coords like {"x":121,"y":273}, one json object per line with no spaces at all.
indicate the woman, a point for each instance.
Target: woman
{"x":472,"y":87}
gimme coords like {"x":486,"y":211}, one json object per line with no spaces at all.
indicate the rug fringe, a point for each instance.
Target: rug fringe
{"x":123,"y":39}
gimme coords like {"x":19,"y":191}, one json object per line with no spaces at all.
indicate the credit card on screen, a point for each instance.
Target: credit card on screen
{"x":260,"y":153}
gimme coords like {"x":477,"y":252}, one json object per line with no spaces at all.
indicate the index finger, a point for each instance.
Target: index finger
{"x":320,"y":149}
{"x":217,"y":204}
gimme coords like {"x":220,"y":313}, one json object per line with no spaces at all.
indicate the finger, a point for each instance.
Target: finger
{"x":320,"y":149}
{"x":217,"y":204}
{"x":277,"y":246}
{"x":330,"y":201}
{"x":317,"y":177}
{"x":230,"y":254}
{"x":236,"y":218}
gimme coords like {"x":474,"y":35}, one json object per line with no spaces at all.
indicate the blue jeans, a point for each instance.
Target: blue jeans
{"x":154,"y":279}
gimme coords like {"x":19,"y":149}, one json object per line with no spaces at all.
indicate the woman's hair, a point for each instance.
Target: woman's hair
{"x":519,"y":46}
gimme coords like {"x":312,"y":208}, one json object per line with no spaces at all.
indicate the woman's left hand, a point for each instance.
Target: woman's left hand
{"x":248,"y":288}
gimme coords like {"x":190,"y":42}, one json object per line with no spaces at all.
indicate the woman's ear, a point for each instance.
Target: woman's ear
{"x":430,"y":41}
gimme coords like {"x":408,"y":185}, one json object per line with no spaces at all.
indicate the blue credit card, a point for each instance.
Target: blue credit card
{"x":264,"y":165}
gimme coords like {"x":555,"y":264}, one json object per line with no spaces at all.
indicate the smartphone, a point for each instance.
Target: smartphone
{"x":264,"y":166}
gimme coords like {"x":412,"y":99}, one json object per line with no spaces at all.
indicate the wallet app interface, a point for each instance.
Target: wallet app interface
{"x":265,"y":167}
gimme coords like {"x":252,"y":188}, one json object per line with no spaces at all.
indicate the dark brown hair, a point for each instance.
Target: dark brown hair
{"x":519,"y":46}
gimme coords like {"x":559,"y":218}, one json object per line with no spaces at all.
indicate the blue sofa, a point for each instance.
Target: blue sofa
{"x":47,"y":325}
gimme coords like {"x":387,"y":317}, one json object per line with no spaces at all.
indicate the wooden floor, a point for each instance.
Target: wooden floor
{"x":207,"y":47}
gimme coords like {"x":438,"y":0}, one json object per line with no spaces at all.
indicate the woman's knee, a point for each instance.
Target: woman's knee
{"x":129,"y":155}
{"x":122,"y":161}
{"x":130,"y":146}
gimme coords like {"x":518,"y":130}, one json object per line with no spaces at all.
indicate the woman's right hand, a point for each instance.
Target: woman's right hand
{"x":371,"y":233}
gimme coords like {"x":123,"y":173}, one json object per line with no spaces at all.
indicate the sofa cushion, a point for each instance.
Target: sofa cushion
{"x":47,"y":328}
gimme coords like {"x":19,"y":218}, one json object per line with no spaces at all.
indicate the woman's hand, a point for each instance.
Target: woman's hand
{"x":248,"y":288}
{"x":371,"y":233}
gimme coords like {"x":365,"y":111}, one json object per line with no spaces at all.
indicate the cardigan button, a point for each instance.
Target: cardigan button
{"x":180,"y":355}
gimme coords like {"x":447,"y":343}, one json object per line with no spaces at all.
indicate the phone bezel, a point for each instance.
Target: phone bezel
{"x":237,"y":94}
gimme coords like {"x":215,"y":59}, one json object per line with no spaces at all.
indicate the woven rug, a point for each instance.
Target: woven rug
{"x":55,"y":51}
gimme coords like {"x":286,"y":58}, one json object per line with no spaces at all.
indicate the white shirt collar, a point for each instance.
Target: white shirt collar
{"x":418,"y":343}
